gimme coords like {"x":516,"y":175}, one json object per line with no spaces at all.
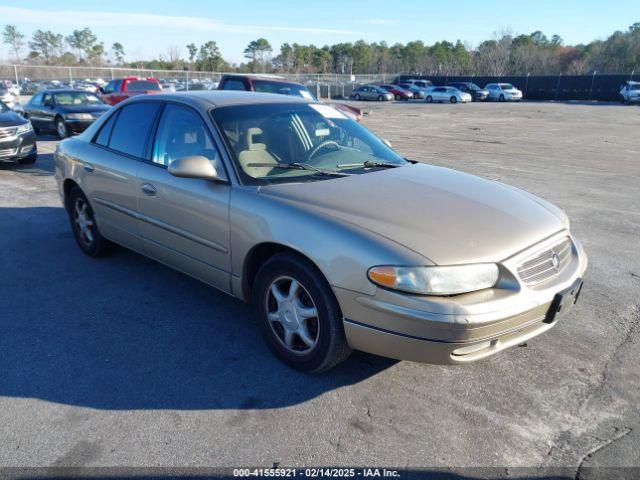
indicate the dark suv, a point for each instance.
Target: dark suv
{"x":477,"y":94}
{"x":17,"y":138}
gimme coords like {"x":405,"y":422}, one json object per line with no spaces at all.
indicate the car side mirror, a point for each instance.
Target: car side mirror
{"x":195,"y":166}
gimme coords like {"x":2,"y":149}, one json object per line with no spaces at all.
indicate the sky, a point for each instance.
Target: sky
{"x":148,"y":28}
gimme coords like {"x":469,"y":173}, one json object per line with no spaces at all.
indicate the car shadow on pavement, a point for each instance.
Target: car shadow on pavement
{"x":125,"y":332}
{"x":43,"y":166}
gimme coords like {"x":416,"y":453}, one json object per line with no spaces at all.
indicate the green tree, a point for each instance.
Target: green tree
{"x":47,"y":44}
{"x":193,"y":51}
{"x":83,"y":42}
{"x":118,"y":52}
{"x":209,"y":58}
{"x":15,"y":39}
{"x":258,"y":52}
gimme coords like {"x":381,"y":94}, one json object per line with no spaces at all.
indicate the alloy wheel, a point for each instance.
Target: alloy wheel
{"x":84,"y":221}
{"x":292,"y":315}
{"x":61,"y":129}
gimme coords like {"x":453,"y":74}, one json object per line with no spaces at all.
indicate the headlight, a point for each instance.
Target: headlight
{"x":79,"y":116}
{"x":436,"y":280}
{"x":24,"y":128}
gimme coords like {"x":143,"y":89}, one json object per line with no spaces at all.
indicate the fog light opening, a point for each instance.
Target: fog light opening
{"x":26,"y":149}
{"x":476,"y":347}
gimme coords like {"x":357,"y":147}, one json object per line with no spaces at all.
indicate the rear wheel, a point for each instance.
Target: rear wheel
{"x":299,"y":316}
{"x":501,"y":99}
{"x":429,"y":99}
{"x":84,"y":226}
{"x":453,"y":100}
{"x":398,"y":97}
{"x":61,"y":128}
{"x":380,"y":98}
{"x":357,"y":96}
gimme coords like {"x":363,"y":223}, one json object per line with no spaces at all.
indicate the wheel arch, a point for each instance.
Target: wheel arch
{"x":259,"y":255}
{"x":67,"y":186}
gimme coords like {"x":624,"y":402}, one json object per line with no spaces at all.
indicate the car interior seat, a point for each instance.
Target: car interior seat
{"x":255,"y":152}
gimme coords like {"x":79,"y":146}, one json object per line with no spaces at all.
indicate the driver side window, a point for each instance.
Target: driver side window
{"x":182,"y":133}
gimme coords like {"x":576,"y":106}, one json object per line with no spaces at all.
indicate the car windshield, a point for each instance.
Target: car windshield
{"x":282,"y":88}
{"x":77,"y":98}
{"x":273,"y":143}
{"x":506,"y":86}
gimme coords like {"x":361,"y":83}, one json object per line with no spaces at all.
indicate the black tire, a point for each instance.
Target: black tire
{"x":398,"y":98}
{"x":30,"y":160}
{"x":357,"y":96}
{"x":61,"y":128}
{"x":429,"y":99}
{"x":98,"y":246}
{"x":453,"y":100}
{"x":501,"y":99}
{"x":380,"y":98}
{"x":331,"y":346}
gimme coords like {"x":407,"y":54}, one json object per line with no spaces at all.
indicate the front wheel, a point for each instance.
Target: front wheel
{"x":429,"y":99}
{"x":453,"y":100}
{"x":84,"y":226}
{"x":380,"y":98}
{"x":299,"y":316}
{"x":398,"y":98}
{"x":357,"y":96}
{"x":61,"y":129}
{"x":501,"y":99}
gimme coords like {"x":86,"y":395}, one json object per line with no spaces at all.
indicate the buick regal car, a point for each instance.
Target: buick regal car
{"x":337,"y":241}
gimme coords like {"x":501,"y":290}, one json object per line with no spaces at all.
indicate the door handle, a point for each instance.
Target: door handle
{"x":88,"y":167}
{"x":149,"y":189}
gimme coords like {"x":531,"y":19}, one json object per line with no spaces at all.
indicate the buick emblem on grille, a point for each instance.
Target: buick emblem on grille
{"x":555,"y":261}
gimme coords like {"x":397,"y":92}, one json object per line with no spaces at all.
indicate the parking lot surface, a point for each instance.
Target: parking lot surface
{"x":122,"y":361}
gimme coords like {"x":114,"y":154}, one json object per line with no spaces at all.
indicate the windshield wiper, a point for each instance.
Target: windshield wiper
{"x":368,"y":164}
{"x":299,"y":166}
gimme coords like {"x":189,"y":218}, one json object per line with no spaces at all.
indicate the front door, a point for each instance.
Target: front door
{"x":184,"y":222}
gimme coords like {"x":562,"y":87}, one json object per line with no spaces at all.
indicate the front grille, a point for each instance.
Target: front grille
{"x":6,"y":132}
{"x":546,"y":264}
{"x":8,"y":152}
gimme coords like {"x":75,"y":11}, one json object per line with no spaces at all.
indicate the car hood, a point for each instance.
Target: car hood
{"x":447,"y":216}
{"x":11,"y":119}
{"x":83,"y":108}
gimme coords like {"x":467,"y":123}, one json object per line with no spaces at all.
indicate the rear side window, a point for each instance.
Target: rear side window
{"x":132,"y":127}
{"x":233,"y":84}
{"x":105,"y":132}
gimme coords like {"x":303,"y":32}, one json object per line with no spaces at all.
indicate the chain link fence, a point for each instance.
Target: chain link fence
{"x":31,"y":78}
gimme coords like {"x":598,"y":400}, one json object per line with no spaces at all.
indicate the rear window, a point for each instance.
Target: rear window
{"x":142,"y":86}
{"x":132,"y":127}
{"x":234,"y":84}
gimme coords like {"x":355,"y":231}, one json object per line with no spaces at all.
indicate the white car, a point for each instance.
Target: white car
{"x":630,"y":92}
{"x":503,"y":92}
{"x":446,"y":94}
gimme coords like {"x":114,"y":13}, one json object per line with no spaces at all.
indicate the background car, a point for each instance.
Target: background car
{"x":503,"y":92}
{"x":120,"y":89}
{"x":371,"y":92}
{"x":447,"y":94}
{"x":281,"y":86}
{"x":630,"y":92}
{"x":64,"y":111}
{"x":17,"y":138}
{"x":417,"y":92}
{"x":477,"y":94}
{"x":422,"y":85}
{"x":398,"y":92}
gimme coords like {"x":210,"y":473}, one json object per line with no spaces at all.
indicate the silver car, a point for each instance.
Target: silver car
{"x":447,"y":95}
{"x":337,"y":241}
{"x":371,"y":92}
{"x":503,"y":92}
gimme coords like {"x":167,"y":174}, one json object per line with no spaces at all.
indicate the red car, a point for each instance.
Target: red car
{"x":275,"y":84}
{"x":398,"y":92}
{"x":120,"y":89}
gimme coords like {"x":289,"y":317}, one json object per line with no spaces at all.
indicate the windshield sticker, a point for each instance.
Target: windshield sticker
{"x":327,"y":112}
{"x":305,"y":94}
{"x":323,"y":132}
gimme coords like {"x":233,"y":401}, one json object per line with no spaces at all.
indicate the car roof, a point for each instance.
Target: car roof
{"x":65,"y":90}
{"x":222,"y":98}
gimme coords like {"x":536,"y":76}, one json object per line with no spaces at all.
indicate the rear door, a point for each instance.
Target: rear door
{"x":33,"y":109}
{"x":184,"y":222}
{"x":110,"y":171}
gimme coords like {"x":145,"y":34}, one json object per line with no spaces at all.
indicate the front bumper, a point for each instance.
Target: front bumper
{"x":78,"y":126}
{"x":434,"y":329}
{"x":17,"y":147}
